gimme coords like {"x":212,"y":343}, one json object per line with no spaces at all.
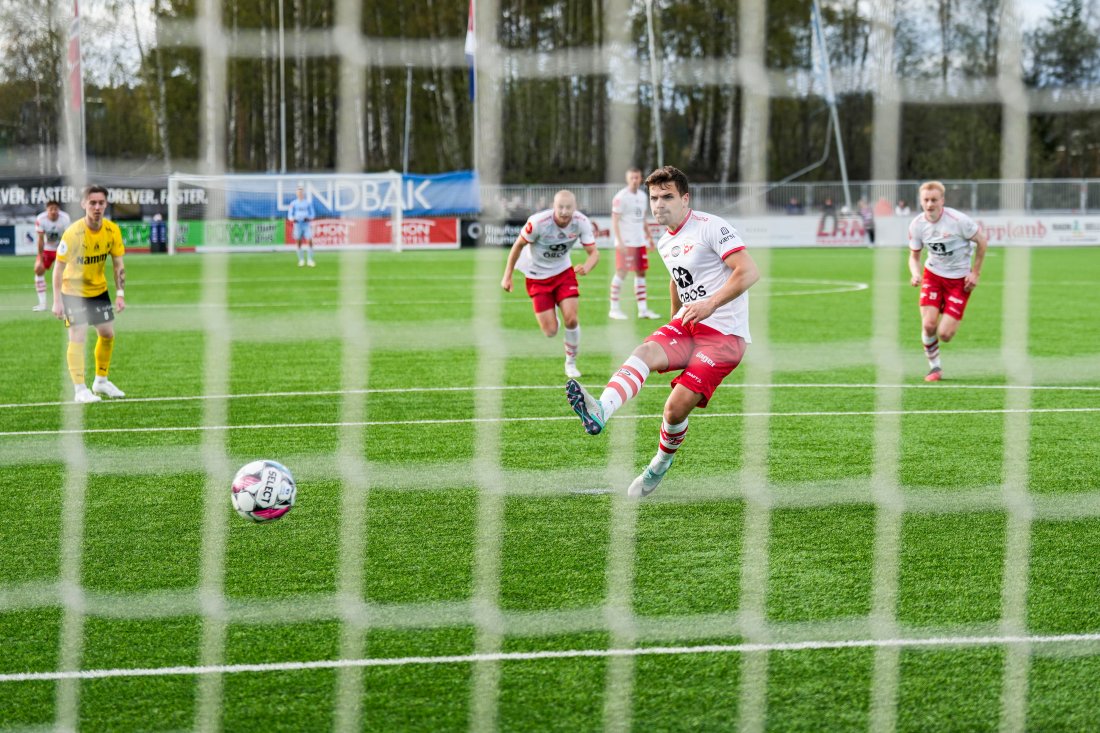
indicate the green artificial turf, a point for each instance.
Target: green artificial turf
{"x":426,"y":527}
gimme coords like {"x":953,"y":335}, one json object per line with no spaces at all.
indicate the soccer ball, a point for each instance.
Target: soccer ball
{"x":263,"y":491}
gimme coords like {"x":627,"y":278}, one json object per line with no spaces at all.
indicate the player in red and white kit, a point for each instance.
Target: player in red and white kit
{"x":711,"y":274}
{"x":949,"y":276}
{"x":49,"y":225}
{"x":541,"y":253}
{"x":631,"y":237}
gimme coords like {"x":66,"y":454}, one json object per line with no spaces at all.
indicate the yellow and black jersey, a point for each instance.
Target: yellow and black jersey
{"x":84,"y":253}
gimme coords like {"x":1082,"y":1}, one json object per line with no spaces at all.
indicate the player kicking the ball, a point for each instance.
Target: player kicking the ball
{"x":711,"y":275}
{"x":541,"y":252}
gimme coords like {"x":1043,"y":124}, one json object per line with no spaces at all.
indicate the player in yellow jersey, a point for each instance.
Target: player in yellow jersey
{"x":80,"y":291}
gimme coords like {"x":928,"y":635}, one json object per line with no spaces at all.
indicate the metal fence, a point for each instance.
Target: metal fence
{"x":1062,"y":196}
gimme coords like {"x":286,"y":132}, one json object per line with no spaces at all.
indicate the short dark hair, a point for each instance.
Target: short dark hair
{"x":53,"y":202}
{"x":93,"y":188}
{"x":668,"y":174}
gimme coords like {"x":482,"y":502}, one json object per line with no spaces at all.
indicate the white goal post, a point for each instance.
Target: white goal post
{"x":239,"y":213}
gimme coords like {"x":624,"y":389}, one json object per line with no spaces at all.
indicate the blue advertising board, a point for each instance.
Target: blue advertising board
{"x":7,"y":240}
{"x":359,"y":196}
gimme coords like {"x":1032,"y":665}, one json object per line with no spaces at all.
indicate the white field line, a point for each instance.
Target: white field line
{"x":539,"y":418}
{"x":521,"y":387}
{"x":794,"y":646}
{"x":154,"y":284}
{"x":313,"y":283}
{"x":831,"y":287}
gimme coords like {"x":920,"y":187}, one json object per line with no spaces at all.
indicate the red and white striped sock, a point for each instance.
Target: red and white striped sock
{"x":40,"y":288}
{"x":931,"y":349}
{"x":616,"y":289}
{"x":572,"y":342}
{"x":624,"y":385}
{"x":640,"y":294}
{"x":671,"y":438}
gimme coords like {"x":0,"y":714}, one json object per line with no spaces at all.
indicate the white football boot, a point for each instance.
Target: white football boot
{"x":571,"y":369}
{"x":83,"y":394}
{"x":102,"y":386}
{"x":647,"y":313}
{"x":646,"y":483}
{"x":616,"y":314}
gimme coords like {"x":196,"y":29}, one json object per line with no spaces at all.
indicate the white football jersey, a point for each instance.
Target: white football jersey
{"x":547,"y":251}
{"x":52,"y":230}
{"x":694,"y":255}
{"x":631,"y":208}
{"x":948,"y":242}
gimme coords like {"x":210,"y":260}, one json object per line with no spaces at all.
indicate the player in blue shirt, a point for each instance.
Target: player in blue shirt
{"x":301,"y":212}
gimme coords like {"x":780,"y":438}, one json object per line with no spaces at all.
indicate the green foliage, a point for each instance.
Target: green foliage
{"x":555,"y":129}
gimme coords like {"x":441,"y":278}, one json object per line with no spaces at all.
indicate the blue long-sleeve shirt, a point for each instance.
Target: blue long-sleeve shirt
{"x":301,"y":210}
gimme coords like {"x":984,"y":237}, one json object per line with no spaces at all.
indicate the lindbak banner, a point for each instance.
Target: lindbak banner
{"x":358,"y":197}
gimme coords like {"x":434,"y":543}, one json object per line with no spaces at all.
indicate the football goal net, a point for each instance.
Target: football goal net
{"x":839,"y":544}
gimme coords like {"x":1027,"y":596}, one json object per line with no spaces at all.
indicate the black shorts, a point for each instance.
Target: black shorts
{"x":91,"y":311}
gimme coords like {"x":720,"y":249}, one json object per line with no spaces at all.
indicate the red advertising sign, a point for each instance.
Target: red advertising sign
{"x":419,"y":233}
{"x":425,"y":232}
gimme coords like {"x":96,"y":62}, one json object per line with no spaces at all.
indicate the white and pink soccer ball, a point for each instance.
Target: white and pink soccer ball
{"x":263,"y":491}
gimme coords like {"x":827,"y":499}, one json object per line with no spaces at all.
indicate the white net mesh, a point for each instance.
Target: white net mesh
{"x":218,"y":212}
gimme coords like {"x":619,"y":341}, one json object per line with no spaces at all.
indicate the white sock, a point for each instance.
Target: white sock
{"x":572,"y":342}
{"x":40,"y":288}
{"x":310,"y":253}
{"x":624,"y":385}
{"x":301,"y":256}
{"x":931,"y":349}
{"x":640,"y":294}
{"x":616,"y":288}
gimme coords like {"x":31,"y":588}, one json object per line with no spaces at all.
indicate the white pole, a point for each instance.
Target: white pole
{"x":656,"y":84}
{"x":830,"y":98}
{"x":282,"y":93}
{"x":397,"y":214}
{"x":173,"y":212}
{"x":471,"y":60}
{"x":408,"y":116}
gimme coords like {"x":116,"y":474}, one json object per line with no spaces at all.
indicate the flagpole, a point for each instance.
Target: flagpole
{"x":76,"y":130}
{"x":830,"y":97}
{"x":471,"y":62}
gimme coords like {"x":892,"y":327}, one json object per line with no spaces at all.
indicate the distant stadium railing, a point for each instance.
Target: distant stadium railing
{"x":1065,"y":196}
